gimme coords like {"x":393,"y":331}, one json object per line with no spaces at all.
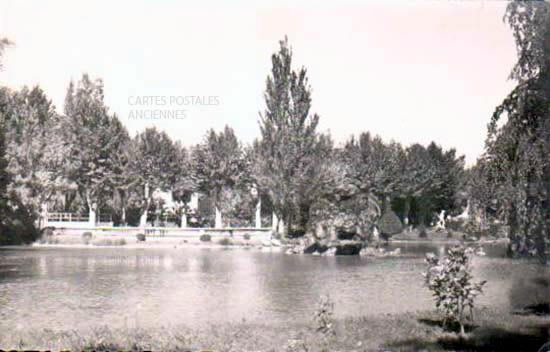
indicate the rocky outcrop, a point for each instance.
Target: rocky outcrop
{"x":336,"y":247}
{"x":348,"y":247}
{"x":315,"y":247}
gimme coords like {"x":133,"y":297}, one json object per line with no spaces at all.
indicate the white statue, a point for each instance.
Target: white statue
{"x":441,"y":222}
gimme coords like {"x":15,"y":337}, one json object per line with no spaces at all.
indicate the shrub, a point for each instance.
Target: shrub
{"x":389,"y":224}
{"x":87,"y":237}
{"x":140,"y":237}
{"x":246,"y":236}
{"x":324,"y":322}
{"x":225,"y":241}
{"x":451,"y":281}
{"x":205,"y":237}
{"x":17,"y":225}
{"x":323,"y":315}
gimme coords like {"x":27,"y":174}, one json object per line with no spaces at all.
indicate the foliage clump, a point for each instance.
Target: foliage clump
{"x":324,"y":321}
{"x":87,"y":237}
{"x":225,"y":242}
{"x":205,"y":238}
{"x":140,"y":237}
{"x":451,"y":282}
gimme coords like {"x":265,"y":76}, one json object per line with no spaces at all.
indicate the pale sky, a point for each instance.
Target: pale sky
{"x":411,"y":71}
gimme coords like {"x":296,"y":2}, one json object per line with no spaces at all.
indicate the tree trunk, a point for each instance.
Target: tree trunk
{"x":513,"y":247}
{"x":540,"y":241}
{"x":69,"y":197}
{"x":288,"y":230}
{"x":122,"y":196}
{"x":281,"y":226}
{"x":143,"y":218}
{"x":91,"y":209}
{"x":183,"y":218}
{"x":218,"y":223}
{"x":461,"y":318}
{"x":274,"y":222}
{"x":259,"y":214}
{"x":406,"y":211}
{"x":43,"y":219}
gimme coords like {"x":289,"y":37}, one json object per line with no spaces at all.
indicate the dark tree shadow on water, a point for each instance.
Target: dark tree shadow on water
{"x":478,"y":339}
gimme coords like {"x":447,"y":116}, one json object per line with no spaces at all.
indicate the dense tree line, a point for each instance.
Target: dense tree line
{"x":84,"y":161}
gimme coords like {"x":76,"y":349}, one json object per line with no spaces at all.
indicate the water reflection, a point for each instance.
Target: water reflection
{"x":69,"y":288}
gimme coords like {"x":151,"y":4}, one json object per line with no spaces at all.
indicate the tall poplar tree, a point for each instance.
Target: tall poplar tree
{"x":289,"y":136}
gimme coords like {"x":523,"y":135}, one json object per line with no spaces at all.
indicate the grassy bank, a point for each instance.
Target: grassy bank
{"x":492,"y":331}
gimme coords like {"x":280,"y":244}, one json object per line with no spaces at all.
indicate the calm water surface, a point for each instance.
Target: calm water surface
{"x":78,"y":288}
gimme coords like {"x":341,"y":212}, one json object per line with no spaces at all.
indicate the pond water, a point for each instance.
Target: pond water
{"x":64,"y":288}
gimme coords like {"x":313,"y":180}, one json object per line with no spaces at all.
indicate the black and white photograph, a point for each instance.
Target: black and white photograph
{"x":275,"y":176}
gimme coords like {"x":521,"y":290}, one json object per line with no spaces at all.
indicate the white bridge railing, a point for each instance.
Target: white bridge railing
{"x":66,"y":217}
{"x":75,"y":220}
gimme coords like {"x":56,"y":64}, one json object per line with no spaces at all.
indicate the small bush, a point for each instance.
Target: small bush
{"x":324,"y":321}
{"x":205,"y":238}
{"x":140,"y":237}
{"x":246,"y":236}
{"x":449,"y":234}
{"x":87,"y":237}
{"x":225,"y":241}
{"x":17,"y":225}
{"x":323,"y":315}
{"x":451,"y":281}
